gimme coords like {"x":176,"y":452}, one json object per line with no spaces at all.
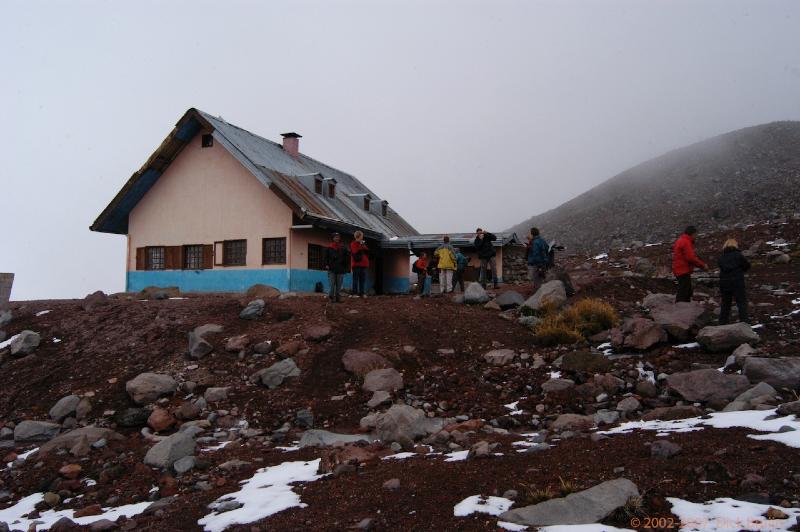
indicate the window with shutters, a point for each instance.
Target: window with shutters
{"x":155,"y":258}
{"x":234,"y":252}
{"x":273,"y":251}
{"x":316,"y":257}
{"x":193,"y":257}
{"x":318,"y":186}
{"x":331,"y":189}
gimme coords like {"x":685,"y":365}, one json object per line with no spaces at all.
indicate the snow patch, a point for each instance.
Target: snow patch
{"x":456,"y":456}
{"x":13,"y":515}
{"x":216,"y":447}
{"x":505,"y":525}
{"x":725,"y":514}
{"x":399,"y":456}
{"x":645,"y":374}
{"x":483,"y":505}
{"x":601,"y":256}
{"x":693,"y":345}
{"x":583,"y":528}
{"x":56,"y":340}
{"x":748,"y":419}
{"x":43,"y":312}
{"x":555,"y":374}
{"x":7,"y":343}
{"x":264,"y":494}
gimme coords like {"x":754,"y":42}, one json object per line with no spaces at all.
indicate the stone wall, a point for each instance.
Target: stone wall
{"x":515,"y":264}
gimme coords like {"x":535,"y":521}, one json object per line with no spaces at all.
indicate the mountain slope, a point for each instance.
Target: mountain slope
{"x":743,"y":176}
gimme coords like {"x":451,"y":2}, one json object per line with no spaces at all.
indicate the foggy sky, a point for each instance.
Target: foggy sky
{"x":458,"y":113}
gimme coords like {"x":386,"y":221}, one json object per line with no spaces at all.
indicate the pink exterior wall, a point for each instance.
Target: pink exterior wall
{"x":301,"y":238}
{"x":204,"y":196}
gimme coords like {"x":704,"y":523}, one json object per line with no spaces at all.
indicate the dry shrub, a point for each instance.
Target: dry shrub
{"x":532,"y":495}
{"x":591,"y":316}
{"x":554,"y":330}
{"x":567,"y":487}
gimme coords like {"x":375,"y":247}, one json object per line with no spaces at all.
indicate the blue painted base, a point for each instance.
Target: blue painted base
{"x":240,"y":280}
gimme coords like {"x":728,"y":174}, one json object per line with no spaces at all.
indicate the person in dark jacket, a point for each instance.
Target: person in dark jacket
{"x":732,"y":266}
{"x":336,"y":262}
{"x":486,"y":253}
{"x":360,"y":262}
{"x":538,"y":250}
{"x":684,"y":261}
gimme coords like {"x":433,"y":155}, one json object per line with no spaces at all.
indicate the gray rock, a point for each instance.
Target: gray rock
{"x":741,"y":353}
{"x":401,"y":423}
{"x":199,"y":347}
{"x":606,"y":417}
{"x":147,"y":387}
{"x":29,"y":431}
{"x":169,"y":450}
{"x":214,"y":395}
{"x":760,"y":389}
{"x":556,"y":385}
{"x":726,"y":337}
{"x":679,"y":319}
{"x":474,"y":294}
{"x":208,"y":328}
{"x":392,"y":484}
{"x":6,"y":433}
{"x":583,"y":507}
{"x":304,"y":418}
{"x":573,"y":422}
{"x":629,"y":405}
{"x":184,"y":464}
{"x":378,"y":398}
{"x":273,"y":376}
{"x":707,"y":385}
{"x":5,"y":317}
{"x":479,"y":449}
{"x":641,"y":333}
{"x":362,"y":362}
{"x":787,"y":409}
{"x":68,"y":440}
{"x":324,"y":438}
{"x":388,"y":380}
{"x":64,"y":408}
{"x":132,"y":417}
{"x":83,"y":409}
{"x":264,"y":348}
{"x":778,"y":372}
{"x":499,"y":357}
{"x":551,"y":292}
{"x":510,"y":299}
{"x":253,"y":310}
{"x":664,"y":449}
{"x":317,"y":333}
{"x":658,"y":300}
{"x":25,"y":343}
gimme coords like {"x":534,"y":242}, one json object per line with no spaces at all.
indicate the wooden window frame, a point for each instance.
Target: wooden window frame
{"x":321,"y":258}
{"x":206,"y":140}
{"x":318,"y":186}
{"x":273,"y":258}
{"x":367,"y":201}
{"x":148,"y":265}
{"x":227,"y":260}
{"x":185,"y":256}
{"x":331,"y":189}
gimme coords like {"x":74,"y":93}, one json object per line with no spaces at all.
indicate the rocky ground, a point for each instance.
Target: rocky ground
{"x":151,"y":412}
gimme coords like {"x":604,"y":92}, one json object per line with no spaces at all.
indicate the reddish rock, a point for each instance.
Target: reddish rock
{"x":161,"y":420}
{"x":348,"y":454}
{"x":167,"y":486}
{"x":317,"y":333}
{"x":70,"y":471}
{"x":464,"y":426}
{"x":10,"y":457}
{"x":289,"y":349}
{"x":362,"y":362}
{"x":237,"y":343}
{"x":670,"y":413}
{"x":573,"y":422}
{"x":94,"y":509}
{"x":188,"y":411}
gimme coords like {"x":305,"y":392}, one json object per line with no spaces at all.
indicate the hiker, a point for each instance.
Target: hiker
{"x":684,"y":261}
{"x":461,"y":265}
{"x":336,"y":258}
{"x":420,"y":267}
{"x":486,"y":253}
{"x":732,"y":265}
{"x":360,"y":263}
{"x":538,"y":258}
{"x":446,"y":261}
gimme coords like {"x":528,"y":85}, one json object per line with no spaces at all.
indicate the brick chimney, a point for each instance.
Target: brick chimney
{"x":291,"y":143}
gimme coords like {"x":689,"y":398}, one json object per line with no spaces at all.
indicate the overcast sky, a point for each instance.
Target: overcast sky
{"x":459,"y":113}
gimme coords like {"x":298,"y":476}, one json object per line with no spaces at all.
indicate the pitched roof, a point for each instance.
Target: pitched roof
{"x":291,"y":179}
{"x":463,"y":240}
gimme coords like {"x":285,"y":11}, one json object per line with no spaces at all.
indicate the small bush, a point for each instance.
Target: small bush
{"x":591,"y":316}
{"x":533,"y":496}
{"x":567,"y":487}
{"x":554,"y":330}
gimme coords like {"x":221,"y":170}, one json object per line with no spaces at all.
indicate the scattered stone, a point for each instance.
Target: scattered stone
{"x":51,"y":499}
{"x":273,"y":376}
{"x":781,"y":372}
{"x":362,"y":362}
{"x":741,"y":353}
{"x":479,"y":450}
{"x":585,"y":361}
{"x":606,"y":417}
{"x":324,"y":438}
{"x":317,"y":333}
{"x":289,"y":349}
{"x":263,"y":291}
{"x":70,"y":471}
{"x":509,"y":299}
{"x":671,"y":413}
{"x":401,"y":423}
{"x":161,"y":420}
{"x":641,"y":333}
{"x":25,"y":343}
{"x":68,"y":440}
{"x":388,"y":380}
{"x":304,"y":418}
{"x":556,"y":385}
{"x":726,"y":337}
{"x":30,"y":431}
{"x":253,"y":310}
{"x":86,"y":511}
{"x":678,"y":319}
{"x":787,"y":409}
{"x":147,"y":387}
{"x":236,"y":344}
{"x":551,"y":293}
{"x":475,"y":294}
{"x":65,"y":407}
{"x":94,"y":300}
{"x":491,"y":305}
{"x":573,"y":422}
{"x":169,"y":450}
{"x":629,"y":405}
{"x":216,"y":394}
{"x":264,"y":348}
{"x":392,"y":484}
{"x":379,"y":398}
{"x":81,"y":449}
{"x":499,"y":357}
{"x":199,"y":347}
{"x":184,"y":465}
{"x":83,"y":409}
{"x":774,"y":513}
{"x":707,"y":385}
{"x":132,"y":417}
{"x":584,"y":507}
{"x":664,"y":449}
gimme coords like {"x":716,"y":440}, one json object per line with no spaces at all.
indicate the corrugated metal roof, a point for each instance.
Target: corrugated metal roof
{"x":271,"y":165}
{"x":464,"y":240}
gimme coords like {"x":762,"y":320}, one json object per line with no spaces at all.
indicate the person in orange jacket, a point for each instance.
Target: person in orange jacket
{"x":684,"y":261}
{"x":360,"y":264}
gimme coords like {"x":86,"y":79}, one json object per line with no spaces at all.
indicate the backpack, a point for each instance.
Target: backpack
{"x":415,"y":268}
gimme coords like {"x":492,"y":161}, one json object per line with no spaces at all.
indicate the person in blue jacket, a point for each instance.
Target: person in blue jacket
{"x":538,"y":258}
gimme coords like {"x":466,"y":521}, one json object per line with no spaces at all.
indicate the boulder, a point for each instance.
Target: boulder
{"x":552,"y":293}
{"x":475,"y":294}
{"x":741,"y":353}
{"x":264,"y":348}
{"x":401,"y":423}
{"x":324,"y":438}
{"x":679,"y":319}
{"x":658,"y":300}
{"x":160,"y":292}
{"x":263,"y":291}
{"x":491,"y":305}
{"x":388,"y":380}
{"x":362,"y":362}
{"x":499,"y":357}
{"x":629,"y":405}
{"x":705,"y":385}
{"x":94,"y":300}
{"x":169,"y":450}
{"x":30,"y":431}
{"x":273,"y":376}
{"x":778,"y":372}
{"x":253,"y":310}
{"x":556,"y":385}
{"x":147,"y":387}
{"x":235,"y":344}
{"x":585,"y":361}
{"x":64,"y":408}
{"x":510,"y":299}
{"x":787,"y":409}
{"x":25,"y":343}
{"x":584,"y":507}
{"x":317,"y":333}
{"x":726,"y":337}
{"x":759,"y":390}
{"x":216,"y":394}
{"x":199,"y":347}
{"x":664,"y":449}
{"x":671,"y":413}
{"x":132,"y":417}
{"x":379,"y":398}
{"x":641,"y":333}
{"x":605,"y":417}
{"x":5,"y":317}
{"x":161,"y":420}
{"x":573,"y":422}
{"x":209,"y":328}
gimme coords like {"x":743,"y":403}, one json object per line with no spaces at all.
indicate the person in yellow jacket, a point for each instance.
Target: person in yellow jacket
{"x":446,"y":256}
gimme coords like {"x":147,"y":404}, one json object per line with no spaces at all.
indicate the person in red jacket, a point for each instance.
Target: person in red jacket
{"x":360,"y":264}
{"x":684,"y":261}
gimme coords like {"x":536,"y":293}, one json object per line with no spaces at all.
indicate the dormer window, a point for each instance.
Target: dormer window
{"x":331,"y":189}
{"x":318,"y":186}
{"x":384,"y":208}
{"x":366,"y":203}
{"x":207,"y":140}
